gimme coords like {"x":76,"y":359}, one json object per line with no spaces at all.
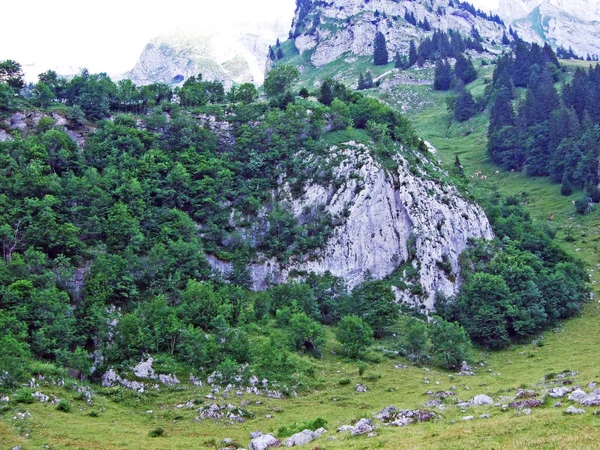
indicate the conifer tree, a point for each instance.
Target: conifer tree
{"x":368,"y":80}
{"x":380,"y":55}
{"x":413,"y":56}
{"x":464,"y":69}
{"x":326,"y":93}
{"x":443,"y":76}
{"x":361,"y":82}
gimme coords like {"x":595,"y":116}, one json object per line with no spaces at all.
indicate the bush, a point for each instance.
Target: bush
{"x":64,"y":406}
{"x":24,"y":395}
{"x":157,"y":432}
{"x":354,"y":334}
{"x":582,"y":206}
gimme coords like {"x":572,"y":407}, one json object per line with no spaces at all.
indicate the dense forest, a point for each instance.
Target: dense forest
{"x":105,"y":243}
{"x":553,"y":127}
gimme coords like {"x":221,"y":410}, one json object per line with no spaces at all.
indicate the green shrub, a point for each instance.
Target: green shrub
{"x":157,"y":432}
{"x":64,"y":406}
{"x":24,"y":395}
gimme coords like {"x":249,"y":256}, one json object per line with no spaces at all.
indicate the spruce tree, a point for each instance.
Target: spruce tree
{"x":326,"y":93}
{"x":380,"y":55}
{"x":413,"y":56}
{"x":368,"y":80}
{"x":443,"y":76}
{"x":361,"y":82}
{"x":464,"y":69}
{"x":279,"y":53}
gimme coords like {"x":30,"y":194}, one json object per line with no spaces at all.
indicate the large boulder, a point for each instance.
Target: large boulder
{"x":264,"y":442}
{"x":302,"y":438}
{"x":480,"y":400}
{"x":363,"y":426}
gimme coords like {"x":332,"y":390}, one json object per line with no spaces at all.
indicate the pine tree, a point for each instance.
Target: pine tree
{"x":413,"y":56}
{"x":380,"y":55}
{"x":279,"y":53}
{"x":326,"y":93}
{"x":464,"y":104}
{"x":505,"y":40}
{"x":443,"y":76}
{"x":368,"y":80}
{"x":464,"y":69}
{"x":361,"y":82}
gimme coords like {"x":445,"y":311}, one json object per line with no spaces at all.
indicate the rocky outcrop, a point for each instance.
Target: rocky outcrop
{"x":384,"y":218}
{"x":350,"y":26}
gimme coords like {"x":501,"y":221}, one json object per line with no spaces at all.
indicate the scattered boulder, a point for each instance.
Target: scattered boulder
{"x":527,"y":403}
{"x":592,"y":399}
{"x":344,"y":428}
{"x":557,"y":404}
{"x":227,"y":441}
{"x":41,"y":397}
{"x":386,"y":413}
{"x":302,"y":438}
{"x":484,"y":416}
{"x":577,"y":395}
{"x":168,"y":380}
{"x":526,"y":393}
{"x":480,"y":400}
{"x":255,"y":434}
{"x":263,"y":442}
{"x":466,"y":418}
{"x":361,"y":388}
{"x":573,"y":410}
{"x":466,"y":370}
{"x":144,"y":369}
{"x":527,"y":411}
{"x":363,"y":426}
{"x":372,"y":434}
{"x":558,"y":392}
{"x":402,"y":422}
{"x":110,"y":378}
{"x":22,"y":416}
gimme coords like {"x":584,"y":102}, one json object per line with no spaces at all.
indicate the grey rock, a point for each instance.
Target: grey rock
{"x":345,"y":428}
{"x":466,"y":418}
{"x":527,"y":411}
{"x":360,"y":388}
{"x":264,"y":442}
{"x":386,"y":413}
{"x":302,"y":438}
{"x":484,"y":416}
{"x":577,"y":395}
{"x":41,"y":397}
{"x":372,"y":434}
{"x":480,"y":400}
{"x":573,"y":410}
{"x":558,"y":392}
{"x":144,"y":369}
{"x":402,"y":422}
{"x":557,"y":404}
{"x":363,"y":426}
{"x":526,"y":393}
{"x":227,"y":441}
{"x":255,"y":434}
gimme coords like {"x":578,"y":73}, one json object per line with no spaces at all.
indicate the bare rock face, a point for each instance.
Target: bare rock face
{"x":385,"y":218}
{"x":351,"y":25}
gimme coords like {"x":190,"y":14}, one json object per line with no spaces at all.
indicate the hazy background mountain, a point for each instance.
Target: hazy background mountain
{"x":572,"y":23}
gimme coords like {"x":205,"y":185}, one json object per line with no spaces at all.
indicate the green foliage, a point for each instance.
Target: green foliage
{"x":380,"y":53}
{"x":354,"y":334}
{"x":64,"y":406}
{"x":512,"y":289}
{"x":23,"y":395}
{"x":280,"y":80}
{"x":157,"y":432}
{"x":449,"y":344}
{"x":374,"y":302}
{"x":306,"y":334}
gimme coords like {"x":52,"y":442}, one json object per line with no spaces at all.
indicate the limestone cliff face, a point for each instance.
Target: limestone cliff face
{"x":387,"y":218}
{"x":351,"y":25}
{"x":568,"y":23}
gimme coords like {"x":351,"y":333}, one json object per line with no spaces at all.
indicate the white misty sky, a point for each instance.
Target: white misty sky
{"x":109,"y":35}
